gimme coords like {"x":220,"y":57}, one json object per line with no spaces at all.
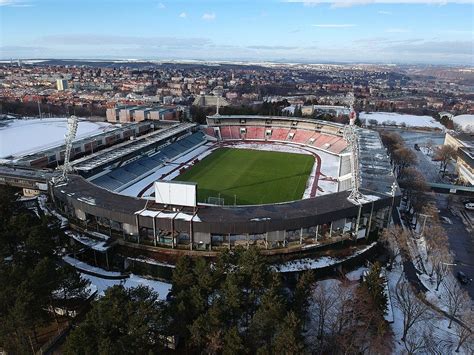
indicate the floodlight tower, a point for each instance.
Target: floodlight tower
{"x":350,"y":134}
{"x":72,"y":124}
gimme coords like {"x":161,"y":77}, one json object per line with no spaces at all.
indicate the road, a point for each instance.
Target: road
{"x":408,"y":266}
{"x":461,"y":240}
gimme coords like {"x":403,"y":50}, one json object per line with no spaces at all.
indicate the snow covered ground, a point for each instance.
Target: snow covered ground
{"x":21,"y":136}
{"x":128,"y":281}
{"x":82,"y":266}
{"x":90,"y":242}
{"x":311,"y":264}
{"x":433,"y":324}
{"x":397,"y":119}
{"x":162,"y":288}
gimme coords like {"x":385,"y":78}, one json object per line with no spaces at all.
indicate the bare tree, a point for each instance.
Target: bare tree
{"x":323,"y":301}
{"x":413,"y":310}
{"x":366,"y":330}
{"x":464,"y":333}
{"x":430,"y":145}
{"x":403,"y":157}
{"x":444,"y":154}
{"x":394,"y":239}
{"x":340,"y":316}
{"x":442,"y":261}
{"x":414,"y":184}
{"x":391,"y":140}
{"x":433,"y":343}
{"x":415,"y":340}
{"x":455,"y":299}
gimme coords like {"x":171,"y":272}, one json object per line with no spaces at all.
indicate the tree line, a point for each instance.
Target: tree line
{"x":33,"y":280}
{"x":239,"y":305}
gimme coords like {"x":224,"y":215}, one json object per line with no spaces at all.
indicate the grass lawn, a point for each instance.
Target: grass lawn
{"x":252,"y":176}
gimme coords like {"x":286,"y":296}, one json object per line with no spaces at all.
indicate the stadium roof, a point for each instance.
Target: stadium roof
{"x":375,"y":168}
{"x":109,"y":155}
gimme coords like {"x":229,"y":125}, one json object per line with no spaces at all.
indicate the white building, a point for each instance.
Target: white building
{"x":61,"y":84}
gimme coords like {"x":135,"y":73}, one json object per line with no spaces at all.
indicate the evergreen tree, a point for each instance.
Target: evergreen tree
{"x":374,"y":282}
{"x":288,"y":339}
{"x":233,"y":343}
{"x":270,"y":312}
{"x":30,"y":274}
{"x":121,"y":322}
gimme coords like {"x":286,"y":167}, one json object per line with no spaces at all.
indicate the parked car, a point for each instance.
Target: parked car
{"x":469,"y":206}
{"x":462,"y":277}
{"x":446,"y":220}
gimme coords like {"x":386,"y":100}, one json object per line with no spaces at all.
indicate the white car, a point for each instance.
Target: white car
{"x":469,"y":206}
{"x":446,"y":220}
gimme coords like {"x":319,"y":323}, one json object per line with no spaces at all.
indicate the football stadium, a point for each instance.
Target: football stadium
{"x":283,"y":184}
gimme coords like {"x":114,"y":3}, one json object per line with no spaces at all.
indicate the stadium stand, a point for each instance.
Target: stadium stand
{"x":125,"y":174}
{"x":235,"y":132}
{"x":226,"y":133}
{"x":302,"y":136}
{"x":326,"y":141}
{"x":338,"y":147}
{"x":279,"y":134}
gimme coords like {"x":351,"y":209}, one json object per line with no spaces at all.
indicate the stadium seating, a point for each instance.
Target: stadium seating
{"x":302,"y":136}
{"x":332,"y":143}
{"x":279,"y":134}
{"x":338,"y":147}
{"x":255,"y":132}
{"x":107,"y":182}
{"x":225,"y":132}
{"x":129,"y":172}
{"x":322,"y":141}
{"x":235,"y":132}
{"x":210,"y":132}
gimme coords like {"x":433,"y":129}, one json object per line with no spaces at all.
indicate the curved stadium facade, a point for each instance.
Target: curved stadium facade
{"x":95,"y":198}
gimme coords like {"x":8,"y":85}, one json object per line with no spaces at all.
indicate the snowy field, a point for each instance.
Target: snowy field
{"x":397,"y":119}
{"x":22,"y":136}
{"x":128,"y":281}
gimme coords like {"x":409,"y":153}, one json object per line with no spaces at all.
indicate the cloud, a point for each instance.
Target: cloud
{"x":334,"y":25}
{"x":348,"y":3}
{"x":183,"y":15}
{"x":92,"y":40}
{"x":209,"y":16}
{"x":15,"y":3}
{"x":435,"y":48}
{"x":161,"y":5}
{"x":266,"y":47}
{"x":397,"y":30}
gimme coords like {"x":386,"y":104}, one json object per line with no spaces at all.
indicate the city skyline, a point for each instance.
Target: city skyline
{"x":375,"y":31}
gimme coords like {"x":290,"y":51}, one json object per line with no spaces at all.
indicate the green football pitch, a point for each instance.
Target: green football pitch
{"x":246,"y":177}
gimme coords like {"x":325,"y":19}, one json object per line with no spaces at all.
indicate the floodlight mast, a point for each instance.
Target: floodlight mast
{"x":72,"y":124}
{"x":350,"y":134}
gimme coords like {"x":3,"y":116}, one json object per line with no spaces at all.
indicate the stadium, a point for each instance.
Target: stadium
{"x":283,"y":184}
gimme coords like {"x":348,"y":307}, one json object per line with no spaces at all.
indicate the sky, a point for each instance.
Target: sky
{"x":314,"y":31}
